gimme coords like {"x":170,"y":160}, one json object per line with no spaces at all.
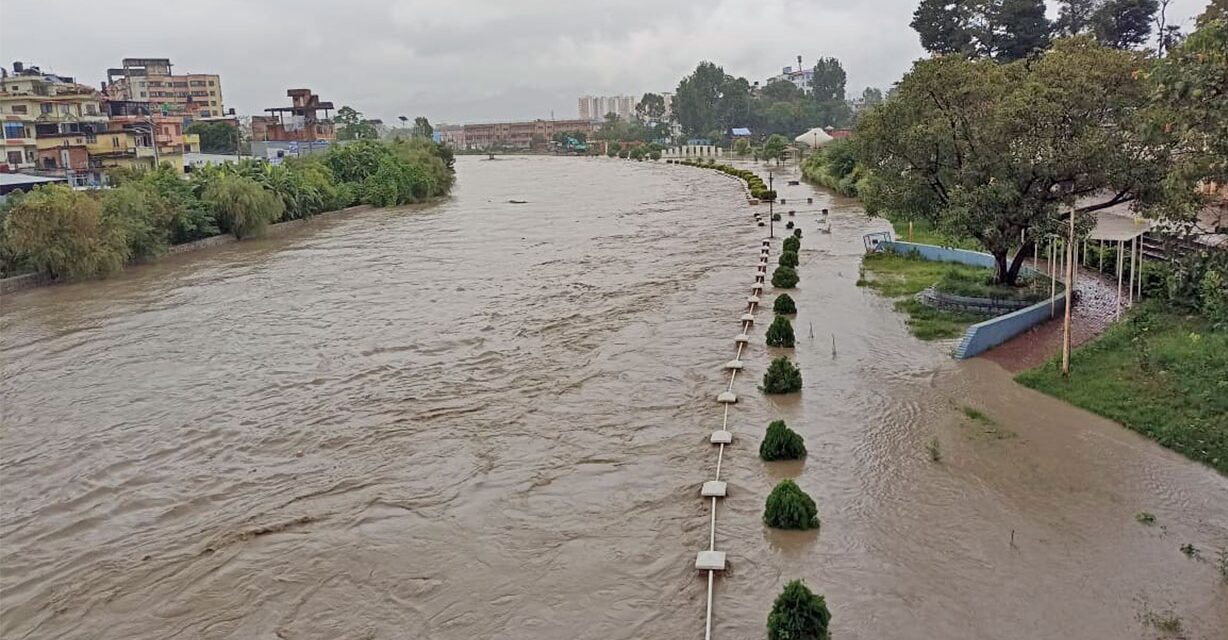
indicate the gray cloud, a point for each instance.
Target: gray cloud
{"x":465,"y":60}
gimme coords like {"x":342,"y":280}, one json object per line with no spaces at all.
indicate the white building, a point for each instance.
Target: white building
{"x":799,"y":76}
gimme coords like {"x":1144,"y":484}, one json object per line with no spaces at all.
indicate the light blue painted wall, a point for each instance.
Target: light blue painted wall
{"x":983,"y":336}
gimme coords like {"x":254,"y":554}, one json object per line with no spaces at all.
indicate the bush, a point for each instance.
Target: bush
{"x":788,"y":507}
{"x":792,"y":243}
{"x":624,"y":154}
{"x":612,"y":151}
{"x":781,"y":443}
{"x":782,"y":377}
{"x":64,"y":233}
{"x":241,"y":205}
{"x":780,"y":333}
{"x":136,"y":209}
{"x":797,"y":233}
{"x":655,"y":154}
{"x":787,"y":259}
{"x":789,"y":225}
{"x":784,"y":278}
{"x":798,"y":614}
{"x":775,"y":217}
{"x":784,"y":304}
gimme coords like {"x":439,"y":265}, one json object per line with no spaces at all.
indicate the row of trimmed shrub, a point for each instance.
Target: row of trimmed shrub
{"x":797,"y":611}
{"x":758,"y":189}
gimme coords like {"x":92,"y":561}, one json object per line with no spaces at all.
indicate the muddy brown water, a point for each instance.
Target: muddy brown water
{"x":481,"y":419}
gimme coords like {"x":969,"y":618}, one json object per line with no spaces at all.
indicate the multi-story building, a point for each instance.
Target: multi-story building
{"x":300,"y":122}
{"x":185,"y":96}
{"x":47,"y":120}
{"x":799,"y":76}
{"x":452,"y":135}
{"x":596,"y":107}
{"x":519,"y":135}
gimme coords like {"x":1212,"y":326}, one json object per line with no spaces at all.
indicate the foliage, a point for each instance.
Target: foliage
{"x":792,"y":243}
{"x":1159,"y":372}
{"x":64,"y":233}
{"x":1124,"y":23}
{"x":242,"y":207}
{"x":798,"y":614}
{"x":787,"y":259}
{"x":782,"y":377}
{"x":780,"y":333}
{"x":352,"y":126}
{"x":741,"y":146}
{"x":774,"y":148}
{"x":136,"y":209}
{"x":216,"y":137}
{"x":995,"y":151}
{"x":784,"y":278}
{"x":784,"y":305}
{"x":835,"y":166}
{"x":788,"y":507}
{"x":422,"y":128}
{"x":781,"y":443}
{"x":979,"y":283}
{"x":828,"y":93}
{"x":903,"y":276}
{"x":711,"y":100}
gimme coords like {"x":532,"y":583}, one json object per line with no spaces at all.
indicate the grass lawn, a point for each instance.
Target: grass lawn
{"x":900,"y":276}
{"x":1162,"y":374}
{"x":923,"y":232}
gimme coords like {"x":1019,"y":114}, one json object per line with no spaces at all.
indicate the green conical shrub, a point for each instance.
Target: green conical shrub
{"x":775,"y":217}
{"x":797,"y":233}
{"x":784,"y":278}
{"x":798,"y":614}
{"x":787,"y":259}
{"x":782,"y":377}
{"x":784,"y":304}
{"x":780,"y":333}
{"x":788,"y":507}
{"x":781,"y":443}
{"x":792,"y":243}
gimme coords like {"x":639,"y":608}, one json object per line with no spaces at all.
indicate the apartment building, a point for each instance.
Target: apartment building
{"x":186,"y":96}
{"x":596,"y":107}
{"x":47,"y":119}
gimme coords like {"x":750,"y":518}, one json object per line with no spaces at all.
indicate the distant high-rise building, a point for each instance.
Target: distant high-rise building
{"x":596,"y":107}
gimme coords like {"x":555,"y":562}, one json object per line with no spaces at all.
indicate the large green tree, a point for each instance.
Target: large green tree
{"x":1124,"y":23}
{"x":710,"y":100}
{"x":64,"y":233}
{"x":423,"y":128}
{"x":827,"y":87}
{"x":216,"y":137}
{"x":352,"y":126}
{"x":1001,"y":152}
{"x":1002,"y":29}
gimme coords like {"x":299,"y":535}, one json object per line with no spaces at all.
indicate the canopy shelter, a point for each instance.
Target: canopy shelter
{"x":1112,"y":227}
{"x":814,"y":138}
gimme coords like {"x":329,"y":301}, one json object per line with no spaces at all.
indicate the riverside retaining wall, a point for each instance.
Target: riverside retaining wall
{"x":983,"y":336}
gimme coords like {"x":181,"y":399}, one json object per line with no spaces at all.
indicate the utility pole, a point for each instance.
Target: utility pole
{"x":1070,"y":271}
{"x":771,"y":212}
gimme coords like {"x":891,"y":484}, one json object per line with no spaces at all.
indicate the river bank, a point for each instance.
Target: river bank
{"x":481,"y":419}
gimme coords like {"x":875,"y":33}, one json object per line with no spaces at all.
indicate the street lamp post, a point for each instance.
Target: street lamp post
{"x":771,"y":202}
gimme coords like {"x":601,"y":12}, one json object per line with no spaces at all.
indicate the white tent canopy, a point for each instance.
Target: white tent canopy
{"x":815,"y":138}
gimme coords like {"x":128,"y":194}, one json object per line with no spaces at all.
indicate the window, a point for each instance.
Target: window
{"x":90,"y":138}
{"x":14,"y":157}
{"x":46,"y":107}
{"x":114,"y":142}
{"x":142,"y":94}
{"x":213,"y":93}
{"x":91,"y":109}
{"x":213,"y":103}
{"x":19,"y":108}
{"x":14,"y":130}
{"x":211,"y":83}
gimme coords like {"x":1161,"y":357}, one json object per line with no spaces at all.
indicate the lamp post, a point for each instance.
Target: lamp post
{"x":771,"y":202}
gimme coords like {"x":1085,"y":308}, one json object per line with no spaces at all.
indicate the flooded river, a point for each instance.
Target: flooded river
{"x":482,"y":419}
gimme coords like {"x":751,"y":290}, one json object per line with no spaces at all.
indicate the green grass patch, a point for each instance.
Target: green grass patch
{"x":924,"y":232}
{"x":1162,"y":374}
{"x":986,"y":426}
{"x":897,"y":275}
{"x":978,"y":283}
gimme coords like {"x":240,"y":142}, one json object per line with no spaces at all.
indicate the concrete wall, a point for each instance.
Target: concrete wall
{"x":940,"y":254}
{"x":983,"y":336}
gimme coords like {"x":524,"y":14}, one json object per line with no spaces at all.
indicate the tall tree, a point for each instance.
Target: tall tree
{"x":423,"y":128}
{"x":1074,"y":17}
{"x":1020,"y":29}
{"x":995,"y":151}
{"x":871,"y":96}
{"x":943,"y":26}
{"x":711,"y":101}
{"x":650,"y":108}
{"x":828,"y":90}
{"x":216,"y":137}
{"x":353,"y":125}
{"x":1124,"y":24}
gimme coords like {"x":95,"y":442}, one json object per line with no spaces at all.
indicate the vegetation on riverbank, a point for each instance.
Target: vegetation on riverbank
{"x":756,"y":186}
{"x":780,"y":333}
{"x":1160,"y":372}
{"x":781,"y":443}
{"x":782,"y":377}
{"x":896,"y":275}
{"x":70,"y":234}
{"x":788,"y":507}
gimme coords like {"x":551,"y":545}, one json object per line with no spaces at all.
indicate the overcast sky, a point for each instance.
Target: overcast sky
{"x":464,"y":60}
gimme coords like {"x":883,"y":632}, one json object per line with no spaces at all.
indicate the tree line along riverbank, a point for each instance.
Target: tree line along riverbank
{"x":66,"y":234}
